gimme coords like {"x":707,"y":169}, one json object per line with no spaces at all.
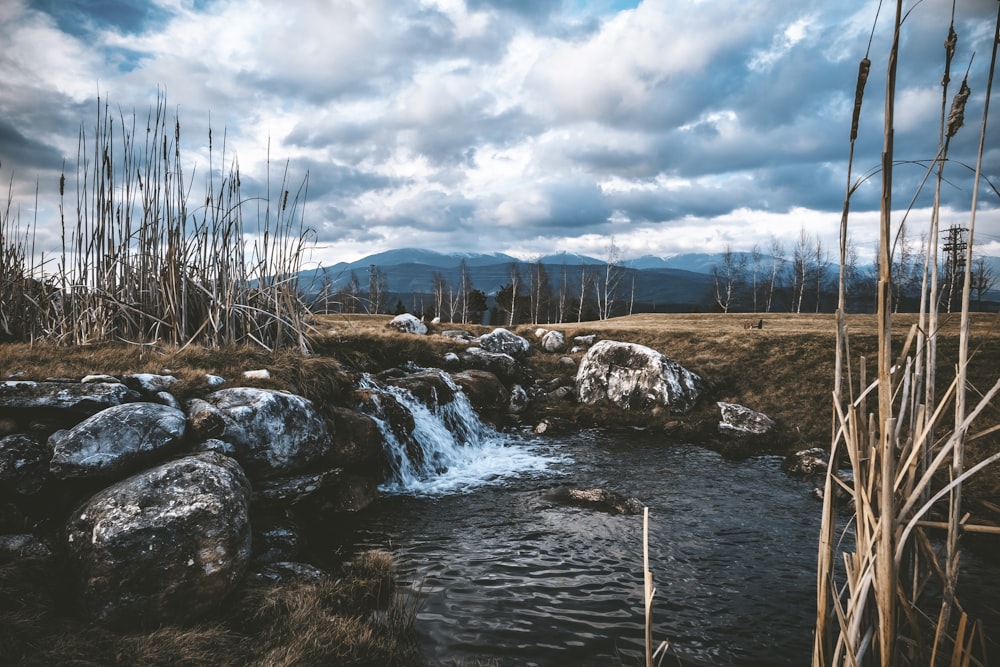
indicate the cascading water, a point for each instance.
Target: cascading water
{"x":447,"y":448}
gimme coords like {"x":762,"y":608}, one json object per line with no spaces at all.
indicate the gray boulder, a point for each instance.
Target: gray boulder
{"x":76,"y":397}
{"x":739,"y":420}
{"x":407,"y":323}
{"x":553,"y":341}
{"x":635,"y":377}
{"x":115,"y":440}
{"x":164,"y":546}
{"x":274,"y":433}
{"x":518,"y":400}
{"x":502,"y":341}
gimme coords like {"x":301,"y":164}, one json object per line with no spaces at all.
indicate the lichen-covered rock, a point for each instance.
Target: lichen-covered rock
{"x":24,"y":464}
{"x":739,"y":420}
{"x":599,"y":499}
{"x":635,"y":377}
{"x":150,"y":384}
{"x":274,"y":433}
{"x":407,"y":323}
{"x":500,"y":364}
{"x":115,"y":440}
{"x":163,"y":546}
{"x":553,"y":341}
{"x":76,"y":397}
{"x":286,"y":491}
{"x":502,"y":341}
{"x":205,"y":421}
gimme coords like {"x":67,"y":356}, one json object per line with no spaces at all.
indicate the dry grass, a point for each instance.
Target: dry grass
{"x":141,"y":263}
{"x":360,"y":619}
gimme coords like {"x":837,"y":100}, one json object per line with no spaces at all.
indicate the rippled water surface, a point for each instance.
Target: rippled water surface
{"x":510,"y":576}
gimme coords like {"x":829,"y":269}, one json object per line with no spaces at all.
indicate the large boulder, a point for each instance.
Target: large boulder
{"x":740,"y":420}
{"x":635,"y":377}
{"x":274,"y":433}
{"x":116,"y":440}
{"x":502,"y":341}
{"x":407,"y":323}
{"x":163,"y":546}
{"x":485,"y":391}
{"x":76,"y":397}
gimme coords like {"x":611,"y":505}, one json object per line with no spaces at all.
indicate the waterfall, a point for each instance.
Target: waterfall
{"x":443,"y":448}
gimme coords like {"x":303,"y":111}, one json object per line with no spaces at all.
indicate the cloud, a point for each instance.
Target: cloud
{"x":508,"y":124}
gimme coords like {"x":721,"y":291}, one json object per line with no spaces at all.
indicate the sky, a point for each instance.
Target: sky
{"x":527,"y":127}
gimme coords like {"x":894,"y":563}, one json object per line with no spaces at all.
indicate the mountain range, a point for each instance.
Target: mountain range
{"x":682,"y":282}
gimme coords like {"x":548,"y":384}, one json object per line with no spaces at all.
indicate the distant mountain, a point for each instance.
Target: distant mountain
{"x":677,"y":282}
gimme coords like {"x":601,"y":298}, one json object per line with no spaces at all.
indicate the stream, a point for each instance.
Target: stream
{"x":505,"y":574}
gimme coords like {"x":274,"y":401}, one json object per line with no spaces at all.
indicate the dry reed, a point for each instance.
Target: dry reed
{"x":890,"y":597}
{"x":141,"y":262}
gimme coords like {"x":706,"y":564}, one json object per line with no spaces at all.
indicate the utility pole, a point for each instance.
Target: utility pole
{"x":954,"y":249}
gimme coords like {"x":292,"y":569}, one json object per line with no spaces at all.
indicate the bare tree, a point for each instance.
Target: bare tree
{"x":465,"y":288}
{"x":756,"y":259}
{"x":563,"y":295}
{"x":585,"y":278}
{"x":540,"y":293}
{"x":728,"y":278}
{"x":801,"y":256}
{"x":984,"y":278}
{"x":378,"y":289}
{"x":438,"y":287}
{"x":606,"y":287}
{"x":778,"y":259}
{"x":515,"y":286}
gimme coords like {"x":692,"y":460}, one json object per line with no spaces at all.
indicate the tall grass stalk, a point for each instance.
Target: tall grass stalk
{"x":891,"y":600}
{"x":143,"y":262}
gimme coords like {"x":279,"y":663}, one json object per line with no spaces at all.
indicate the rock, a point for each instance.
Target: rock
{"x":807,"y":462}
{"x":205,"y":421}
{"x":259,"y":374}
{"x":168,"y":399}
{"x":407,"y":323}
{"x":353,"y":494}
{"x":93,"y":379}
{"x":149,"y":383}
{"x":485,"y":391}
{"x":275,"y":539}
{"x":585,"y":341}
{"x":451,"y":359}
{"x":81,"y":399}
{"x":502,"y":365}
{"x":569,"y":362}
{"x":553,"y":341}
{"x":163,"y":546}
{"x":430,"y":386}
{"x":502,"y":341}
{"x":24,"y":546}
{"x":214,"y":380}
{"x":518,"y":400}
{"x":274,"y":433}
{"x":540,"y":332}
{"x":215,"y":445}
{"x":599,"y":499}
{"x":553,"y":426}
{"x":560,"y":393}
{"x":289,"y":572}
{"x":739,"y":420}
{"x":635,"y":377}
{"x":460,"y":336}
{"x":116,"y":440}
{"x":357,"y":441}
{"x":294,"y":489}
{"x":24,"y":464}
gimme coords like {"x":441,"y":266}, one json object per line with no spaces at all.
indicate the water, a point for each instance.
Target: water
{"x":505,"y":574}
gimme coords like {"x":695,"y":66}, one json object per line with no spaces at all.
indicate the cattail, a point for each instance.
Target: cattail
{"x":859,"y":93}
{"x":284,"y":203}
{"x":62,"y":184}
{"x":949,"y":53}
{"x":957,"y":114}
